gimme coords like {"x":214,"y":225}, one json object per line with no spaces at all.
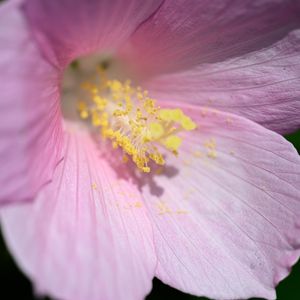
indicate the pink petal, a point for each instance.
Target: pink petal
{"x":227,"y":218}
{"x":67,"y":29}
{"x":185,"y":33}
{"x":85,"y":237}
{"x":263,"y":86}
{"x":30,"y":131}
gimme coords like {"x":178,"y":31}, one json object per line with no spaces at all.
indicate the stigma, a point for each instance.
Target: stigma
{"x":128,"y":117}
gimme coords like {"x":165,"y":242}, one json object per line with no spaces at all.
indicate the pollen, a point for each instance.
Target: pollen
{"x":127,"y":116}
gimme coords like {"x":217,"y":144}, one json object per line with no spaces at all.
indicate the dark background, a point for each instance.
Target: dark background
{"x":14,"y":284}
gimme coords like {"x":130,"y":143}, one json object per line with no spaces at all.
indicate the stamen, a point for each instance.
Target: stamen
{"x":128,"y":117}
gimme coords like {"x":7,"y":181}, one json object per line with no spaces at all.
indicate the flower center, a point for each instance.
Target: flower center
{"x":128,"y":117}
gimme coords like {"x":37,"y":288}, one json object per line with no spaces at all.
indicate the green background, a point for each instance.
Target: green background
{"x":14,"y":285}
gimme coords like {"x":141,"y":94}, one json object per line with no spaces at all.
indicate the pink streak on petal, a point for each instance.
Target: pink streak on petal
{"x":232,"y":229}
{"x":30,"y":131}
{"x":185,"y":33}
{"x":81,"y":239}
{"x":263,"y":86}
{"x":67,"y":29}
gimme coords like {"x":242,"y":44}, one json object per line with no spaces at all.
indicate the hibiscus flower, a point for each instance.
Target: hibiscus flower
{"x":141,"y":139}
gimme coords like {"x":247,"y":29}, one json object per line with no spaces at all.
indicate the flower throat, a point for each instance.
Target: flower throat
{"x":131,"y":120}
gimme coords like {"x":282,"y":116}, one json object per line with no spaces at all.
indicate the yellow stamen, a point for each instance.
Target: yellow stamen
{"x":173,"y":142}
{"x":128,"y":117}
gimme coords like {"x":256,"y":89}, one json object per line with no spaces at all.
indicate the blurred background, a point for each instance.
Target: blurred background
{"x":14,"y":284}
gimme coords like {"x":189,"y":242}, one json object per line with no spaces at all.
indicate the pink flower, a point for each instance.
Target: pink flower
{"x":221,"y":219}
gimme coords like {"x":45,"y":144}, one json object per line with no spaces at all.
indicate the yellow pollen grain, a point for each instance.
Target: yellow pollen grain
{"x":138,"y":204}
{"x":211,"y":146}
{"x":125,"y":159}
{"x":163,"y":208}
{"x":128,"y":117}
{"x":212,"y":154}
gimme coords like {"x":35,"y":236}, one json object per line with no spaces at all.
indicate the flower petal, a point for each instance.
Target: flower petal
{"x":227,"y":217}
{"x":30,"y":131}
{"x":263,"y":86}
{"x":67,"y":29}
{"x":88,"y":235}
{"x":186,"y":32}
